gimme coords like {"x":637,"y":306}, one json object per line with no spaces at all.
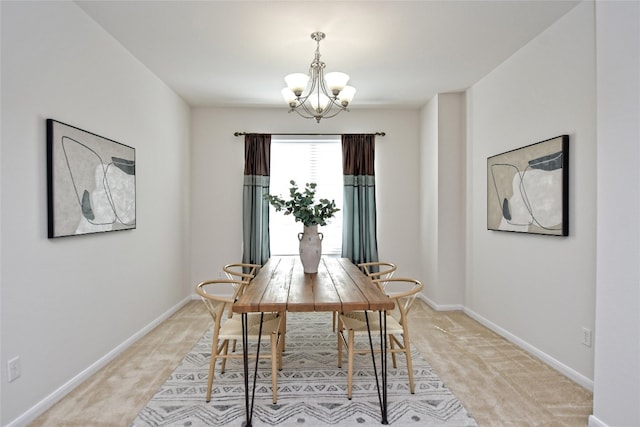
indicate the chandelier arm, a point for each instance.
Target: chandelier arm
{"x":302,"y":99}
{"x":314,"y":114}
{"x":325,"y":114}
{"x":306,"y":108}
{"x":302,"y":115}
{"x":335,"y":113}
{"x":323,"y":87}
{"x":333,"y":99}
{"x":328,"y":113}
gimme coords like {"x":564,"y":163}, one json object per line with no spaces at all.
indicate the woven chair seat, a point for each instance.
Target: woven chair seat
{"x":231,"y":329}
{"x":356,"y":321}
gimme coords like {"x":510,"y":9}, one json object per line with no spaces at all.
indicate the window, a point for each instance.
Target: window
{"x":305,"y":159}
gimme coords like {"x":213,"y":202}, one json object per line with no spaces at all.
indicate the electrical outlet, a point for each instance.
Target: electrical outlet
{"x":587,"y":337}
{"x":13,"y":367}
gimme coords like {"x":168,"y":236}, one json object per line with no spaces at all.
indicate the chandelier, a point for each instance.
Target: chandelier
{"x":317,"y":95}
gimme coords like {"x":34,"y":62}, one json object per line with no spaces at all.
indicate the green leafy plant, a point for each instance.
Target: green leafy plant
{"x":302,"y":205}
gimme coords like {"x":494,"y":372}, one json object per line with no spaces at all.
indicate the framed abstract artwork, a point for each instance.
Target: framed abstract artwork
{"x":91,"y":182}
{"x":528,"y":189}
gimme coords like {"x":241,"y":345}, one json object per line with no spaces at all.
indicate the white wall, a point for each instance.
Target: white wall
{"x":217,"y":177}
{"x":538,"y":289}
{"x":617,"y":362}
{"x":429,"y":200}
{"x":68,"y":302}
{"x":443,"y":200}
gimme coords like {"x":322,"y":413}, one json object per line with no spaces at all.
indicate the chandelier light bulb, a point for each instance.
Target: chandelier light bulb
{"x":336,"y":81}
{"x":289,"y":97}
{"x":346,"y":95}
{"x":297,"y":82}
{"x":319,"y":102}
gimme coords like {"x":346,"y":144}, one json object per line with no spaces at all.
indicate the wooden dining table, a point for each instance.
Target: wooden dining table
{"x":339,"y":286}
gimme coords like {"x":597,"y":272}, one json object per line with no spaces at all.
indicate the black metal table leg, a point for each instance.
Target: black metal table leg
{"x":245,"y":358}
{"x":382,"y":397}
{"x":383,"y":358}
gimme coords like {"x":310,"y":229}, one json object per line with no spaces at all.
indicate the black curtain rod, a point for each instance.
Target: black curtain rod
{"x":297,"y":133}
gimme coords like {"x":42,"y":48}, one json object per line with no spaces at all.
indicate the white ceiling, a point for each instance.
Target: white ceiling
{"x":398,"y":53}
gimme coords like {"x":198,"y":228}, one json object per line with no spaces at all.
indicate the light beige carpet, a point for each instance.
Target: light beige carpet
{"x":497,"y":382}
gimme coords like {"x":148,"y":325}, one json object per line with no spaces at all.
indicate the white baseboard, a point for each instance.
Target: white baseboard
{"x":595,"y":422}
{"x":440,"y":307}
{"x":37,"y":410}
{"x":555,"y":364}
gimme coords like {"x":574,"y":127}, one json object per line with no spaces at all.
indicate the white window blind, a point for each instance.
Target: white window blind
{"x":305,"y":159}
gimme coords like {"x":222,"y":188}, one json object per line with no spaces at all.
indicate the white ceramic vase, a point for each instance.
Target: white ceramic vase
{"x":310,"y":248}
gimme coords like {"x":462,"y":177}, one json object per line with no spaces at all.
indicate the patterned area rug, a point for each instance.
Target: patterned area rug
{"x":311,"y":388}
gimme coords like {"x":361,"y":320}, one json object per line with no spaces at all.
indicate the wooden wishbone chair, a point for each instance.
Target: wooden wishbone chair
{"x":226,"y":327}
{"x":245,"y":272}
{"x":353,"y":324}
{"x":378,"y":270}
{"x":241,"y":271}
{"x":374,"y":270}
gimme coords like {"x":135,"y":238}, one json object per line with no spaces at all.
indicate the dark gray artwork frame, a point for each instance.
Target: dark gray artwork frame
{"x":528,"y":189}
{"x":91,"y":182}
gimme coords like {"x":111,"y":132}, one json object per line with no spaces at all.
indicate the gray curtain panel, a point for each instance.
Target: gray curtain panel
{"x":359,"y":240}
{"x":255,"y":209}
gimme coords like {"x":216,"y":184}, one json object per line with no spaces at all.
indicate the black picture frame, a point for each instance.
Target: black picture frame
{"x":528,"y":189}
{"x":91,"y":182}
